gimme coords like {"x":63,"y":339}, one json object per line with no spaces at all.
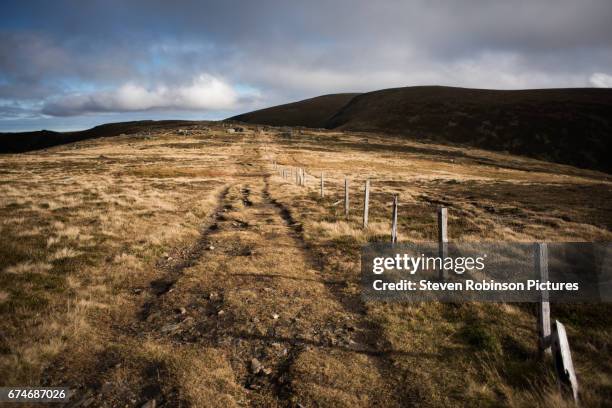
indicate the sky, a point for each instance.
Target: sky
{"x":72,"y":64}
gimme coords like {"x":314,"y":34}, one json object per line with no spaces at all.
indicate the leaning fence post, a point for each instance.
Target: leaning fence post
{"x":541,"y":264}
{"x":366,"y":203}
{"x":442,"y":238}
{"x":322,"y":193}
{"x":563,"y":360}
{"x":346,"y":197}
{"x":394,"y":221}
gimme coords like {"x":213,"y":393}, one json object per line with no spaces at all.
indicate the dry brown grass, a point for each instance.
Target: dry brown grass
{"x":89,"y":230}
{"x":63,"y":216}
{"x":475,"y":354}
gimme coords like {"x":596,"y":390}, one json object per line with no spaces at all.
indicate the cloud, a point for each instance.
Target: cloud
{"x":205,"y":92}
{"x":12,"y":111}
{"x":76,"y":58}
{"x":601,"y":80}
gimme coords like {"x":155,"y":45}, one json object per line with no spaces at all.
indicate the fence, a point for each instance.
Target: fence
{"x":552,"y":339}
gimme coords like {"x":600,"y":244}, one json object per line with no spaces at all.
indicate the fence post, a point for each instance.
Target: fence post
{"x":541,"y":264}
{"x":442,"y":238}
{"x":322,"y":193}
{"x":366,"y":203}
{"x":346,"y":197}
{"x":394,"y":220}
{"x":563,"y":360}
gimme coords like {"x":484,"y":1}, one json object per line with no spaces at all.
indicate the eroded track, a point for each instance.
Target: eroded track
{"x":257,"y":295}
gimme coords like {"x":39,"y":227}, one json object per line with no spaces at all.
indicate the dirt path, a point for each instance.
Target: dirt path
{"x":256,"y":296}
{"x":243,"y":317}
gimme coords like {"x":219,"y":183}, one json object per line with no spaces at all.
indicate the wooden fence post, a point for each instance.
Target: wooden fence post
{"x":541,"y":264}
{"x":346,"y":197}
{"x":322,"y":192}
{"x":366,"y":203}
{"x":563,"y":360}
{"x":442,"y":238}
{"x":394,"y":220}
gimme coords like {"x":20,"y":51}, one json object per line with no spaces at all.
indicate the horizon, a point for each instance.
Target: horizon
{"x":142,"y":116}
{"x":66,"y":66}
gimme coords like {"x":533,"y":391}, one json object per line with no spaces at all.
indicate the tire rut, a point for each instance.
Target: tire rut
{"x":374,"y":347}
{"x":152,"y":376}
{"x":186,"y":258}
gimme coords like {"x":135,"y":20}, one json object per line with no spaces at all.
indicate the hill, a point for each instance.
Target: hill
{"x":27,"y":141}
{"x":570,"y":126}
{"x":313,"y":112}
{"x":186,"y":269}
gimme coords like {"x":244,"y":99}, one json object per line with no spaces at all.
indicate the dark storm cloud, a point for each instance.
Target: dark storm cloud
{"x":72,"y":57}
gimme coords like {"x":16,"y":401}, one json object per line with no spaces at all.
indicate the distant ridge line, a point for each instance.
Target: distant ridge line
{"x":566,"y":125}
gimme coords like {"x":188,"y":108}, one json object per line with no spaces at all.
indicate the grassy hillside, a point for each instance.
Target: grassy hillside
{"x":181,"y":270}
{"x":313,"y":112}
{"x":27,"y":141}
{"x":571,"y":126}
